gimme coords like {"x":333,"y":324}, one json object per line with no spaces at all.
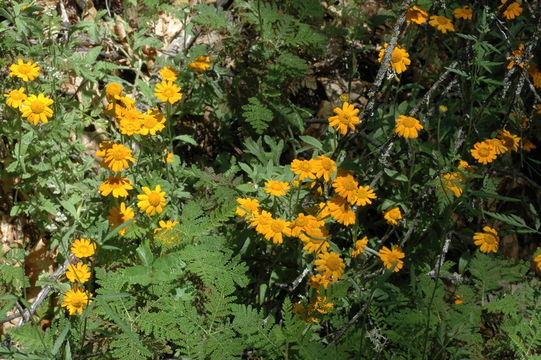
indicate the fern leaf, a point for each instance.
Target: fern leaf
{"x":257,"y":115}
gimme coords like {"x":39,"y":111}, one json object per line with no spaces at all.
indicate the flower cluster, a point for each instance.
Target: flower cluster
{"x":488,"y":150}
{"x":399,"y":58}
{"x":418,"y":15}
{"x":77,"y":299}
{"x":511,"y":11}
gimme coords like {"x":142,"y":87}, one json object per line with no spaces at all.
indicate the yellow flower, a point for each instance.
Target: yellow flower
{"x":130,"y":121}
{"x":315,"y":239}
{"x":517,"y":54}
{"x":15,"y":98}
{"x":462,"y":164}
{"x":168,"y":74}
{"x":79,"y":272}
{"x":76,"y":300}
{"x":441,"y":23}
{"x":451,"y":181}
{"x":201,"y":63}
{"x":347,"y":187}
{"x":36,"y":109}
{"x":166,"y":91}
{"x":116,"y":185}
{"x":304,"y":168}
{"x":465,"y":13}
{"x":152,"y":122}
{"x":152,"y":201}
{"x":537,"y":261}
{"x":345,"y":118}
{"x":275,"y":230}
{"x":340,"y":210}
{"x":276,"y":188}
{"x":169,"y":157}
{"x":458,"y":299}
{"x":83,"y":248}
{"x":117,"y":157}
{"x":484,"y":152}
{"x":364,"y":195}
{"x":527,"y":145}
{"x":499,"y":146}
{"x":324,"y":167}
{"x":120,"y":215}
{"x":166,"y":225}
{"x":399,"y":59}
{"x":407,"y":127}
{"x":261,"y":221}
{"x":535,"y":74}
{"x":247,"y":207}
{"x":25,"y":71}
{"x":392,"y":257}
{"x":113,"y":91}
{"x":360,"y":245}
{"x":304,"y":223}
{"x":318,"y":280}
{"x":510,"y":141}
{"x":331,"y":265}
{"x":512,"y":11}
{"x":488,"y":241}
{"x":417,"y":15}
{"x":393,"y":215}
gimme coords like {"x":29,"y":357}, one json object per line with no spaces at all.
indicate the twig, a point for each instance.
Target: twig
{"x":27,"y":314}
{"x":299,"y":279}
{"x":441,"y":257}
{"x":426,"y":98}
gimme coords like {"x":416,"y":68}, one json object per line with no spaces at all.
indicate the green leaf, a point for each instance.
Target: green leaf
{"x":257,"y":115}
{"x":312,"y":141}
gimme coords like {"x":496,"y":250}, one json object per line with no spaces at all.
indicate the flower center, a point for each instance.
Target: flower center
{"x":37,"y":107}
{"x":276,"y":227}
{"x":484,"y":152}
{"x":17,"y":95}
{"x":333,"y":264}
{"x":350,"y":184}
{"x":326,"y":164}
{"x":25,"y":69}
{"x":169,"y":92}
{"x":408,"y":122}
{"x":118,"y":153}
{"x":154,"y":199}
{"x":397,"y":57}
{"x":150,"y":122}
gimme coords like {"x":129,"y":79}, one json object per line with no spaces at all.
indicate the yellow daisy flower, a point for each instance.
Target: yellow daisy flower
{"x":275,"y":230}
{"x":364,"y":196}
{"x":451,"y":181}
{"x":513,"y":10}
{"x":25,"y":71}
{"x":117,"y":157}
{"x":392,"y":257}
{"x":116,"y":185}
{"x":484,"y":152}
{"x":324,"y":167}
{"x":168,"y":74}
{"x":537,"y":261}
{"x":152,"y":122}
{"x":360,"y":245}
{"x":488,"y":240}
{"x":166,"y":225}
{"x":276,"y":188}
{"x":83,"y":248}
{"x":76,"y":300}
{"x":417,"y":15}
{"x":340,"y":210}
{"x":304,"y":168}
{"x":152,"y":201}
{"x":261,"y":221}
{"x":201,"y":63}
{"x":315,"y":239}
{"x":407,"y":126}
{"x":393,"y":215}
{"x":399,"y":59}
{"x":167,"y":91}
{"x":441,"y":23}
{"x":499,"y":146}
{"x":247,"y":206}
{"x":517,"y":54}
{"x":347,"y":187}
{"x":113,"y":91}
{"x":510,"y":141}
{"x":304,"y":223}
{"x":79,"y":272}
{"x":318,"y":280}
{"x":130,"y":121}
{"x":464,"y":12}
{"x":345,"y":118}
{"x":36,"y":109}
{"x":458,"y":299}
{"x":15,"y":98}
{"x":331,"y":265}
{"x":120,"y":215}
{"x":527,"y":145}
